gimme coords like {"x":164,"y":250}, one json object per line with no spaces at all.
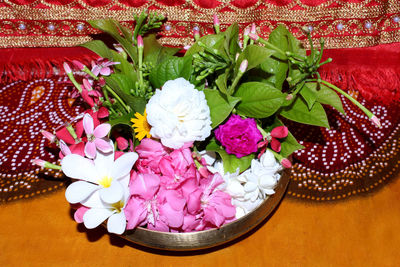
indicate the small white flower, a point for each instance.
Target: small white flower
{"x":178,"y":114}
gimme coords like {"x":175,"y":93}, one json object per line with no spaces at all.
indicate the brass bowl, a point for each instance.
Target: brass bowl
{"x":209,"y":238}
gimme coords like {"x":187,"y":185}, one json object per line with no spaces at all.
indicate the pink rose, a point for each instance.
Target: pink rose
{"x":239,"y":136}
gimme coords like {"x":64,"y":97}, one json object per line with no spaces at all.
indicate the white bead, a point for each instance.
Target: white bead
{"x":22,"y":26}
{"x":339,"y":26}
{"x":196,"y":28}
{"x":51,"y":27}
{"x":368,"y":25}
{"x":167,"y":27}
{"x":310,"y":28}
{"x":80,"y":27}
{"x":396,"y":19}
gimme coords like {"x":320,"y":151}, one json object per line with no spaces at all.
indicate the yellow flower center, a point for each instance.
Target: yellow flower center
{"x":118,"y":206}
{"x":105,"y":181}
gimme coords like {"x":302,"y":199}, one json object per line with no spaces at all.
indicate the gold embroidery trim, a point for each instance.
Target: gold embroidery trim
{"x":193,"y":12}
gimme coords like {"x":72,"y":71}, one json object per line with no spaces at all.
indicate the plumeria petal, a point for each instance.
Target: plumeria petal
{"x":102,"y":130}
{"x":113,"y":193}
{"x":88,"y":124}
{"x":85,"y":171}
{"x":123,"y":165}
{"x":103,"y":145}
{"x":79,"y":191}
{"x":90,"y":150}
{"x":94,"y":217}
{"x":116,"y":223}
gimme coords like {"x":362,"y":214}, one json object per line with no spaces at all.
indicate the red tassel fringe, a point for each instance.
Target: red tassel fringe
{"x":38,"y":63}
{"x":372,"y":71}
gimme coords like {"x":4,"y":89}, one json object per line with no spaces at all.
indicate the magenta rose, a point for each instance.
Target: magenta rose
{"x":239,"y":136}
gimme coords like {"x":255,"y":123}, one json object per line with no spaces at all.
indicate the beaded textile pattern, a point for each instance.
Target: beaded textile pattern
{"x":351,"y":158}
{"x":343,"y":23}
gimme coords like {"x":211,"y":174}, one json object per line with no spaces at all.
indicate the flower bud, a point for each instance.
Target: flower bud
{"x":216,"y":20}
{"x":67,"y":68}
{"x":289,"y":97}
{"x":51,"y":137}
{"x":139,"y":41}
{"x":196,"y":33}
{"x":286,"y":163}
{"x":78,"y":64}
{"x":102,"y":81}
{"x":87,"y":85}
{"x":243,"y":66}
{"x":254,"y":36}
{"x":376,"y":121}
{"x":246,"y":31}
{"x":39,"y":162}
{"x":253,"y":28}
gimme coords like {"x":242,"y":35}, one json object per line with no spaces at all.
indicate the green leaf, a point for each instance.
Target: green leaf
{"x":222,"y":80}
{"x":170,"y":69}
{"x":99,"y":48}
{"x":213,"y":41}
{"x":117,"y":84}
{"x":298,"y":111}
{"x":326,"y":96}
{"x":278,"y":70}
{"x":231,"y":162}
{"x":124,"y":119}
{"x":220,"y":105}
{"x":255,"y":55}
{"x":154,"y":52}
{"x":231,"y":45}
{"x":259,"y":100}
{"x":308,"y":95}
{"x":123,"y":81}
{"x":125,"y":67}
{"x":289,"y":144}
{"x":109,"y":26}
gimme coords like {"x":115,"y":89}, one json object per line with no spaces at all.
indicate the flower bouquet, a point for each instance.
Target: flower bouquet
{"x":186,"y":140}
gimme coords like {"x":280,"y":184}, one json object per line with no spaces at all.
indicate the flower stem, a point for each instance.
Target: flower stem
{"x":269,"y":45}
{"x":140,"y":59}
{"x":116,"y":96}
{"x":355,"y":102}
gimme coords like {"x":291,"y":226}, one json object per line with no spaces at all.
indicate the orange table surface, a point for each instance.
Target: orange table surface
{"x":361,"y":231}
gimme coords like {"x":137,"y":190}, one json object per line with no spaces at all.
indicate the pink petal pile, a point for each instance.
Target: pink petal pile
{"x":169,"y":193}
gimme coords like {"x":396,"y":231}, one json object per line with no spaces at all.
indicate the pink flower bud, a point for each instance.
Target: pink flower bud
{"x":51,"y":137}
{"x":376,"y":121}
{"x":243,"y":66}
{"x":102,"y":81}
{"x":196,"y":32}
{"x":253,"y":36}
{"x":78,"y":64}
{"x":139,"y":41}
{"x":286,"y":163}
{"x":122,"y":143}
{"x":237,"y":56}
{"x":216,"y":20}
{"x":87,"y":85}
{"x":289,"y":97}
{"x":118,"y":47}
{"x":39,"y":162}
{"x":246,"y":31}
{"x":67,"y":68}
{"x":253,"y":28}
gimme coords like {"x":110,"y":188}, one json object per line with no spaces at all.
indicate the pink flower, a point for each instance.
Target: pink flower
{"x":239,"y":136}
{"x":271,"y":138}
{"x":150,"y":153}
{"x":96,"y":137}
{"x":135,"y":212}
{"x":102,"y":66}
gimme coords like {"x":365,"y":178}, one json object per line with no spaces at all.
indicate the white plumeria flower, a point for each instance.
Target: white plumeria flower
{"x":178,"y":114}
{"x":114,"y":212}
{"x":102,"y":176}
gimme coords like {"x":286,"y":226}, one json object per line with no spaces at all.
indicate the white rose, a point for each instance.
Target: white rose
{"x":178,"y":114}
